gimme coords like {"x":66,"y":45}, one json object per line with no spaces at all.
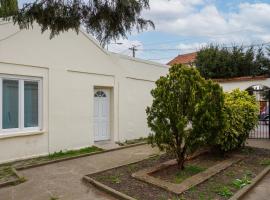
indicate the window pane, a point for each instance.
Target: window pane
{"x":30,"y":104}
{"x":10,"y":104}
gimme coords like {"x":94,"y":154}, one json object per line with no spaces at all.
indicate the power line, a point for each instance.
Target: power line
{"x":160,"y":58}
{"x":201,"y":36}
{"x":179,"y":49}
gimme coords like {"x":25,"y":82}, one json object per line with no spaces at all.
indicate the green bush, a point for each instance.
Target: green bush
{"x":184,"y":111}
{"x":240,"y":114}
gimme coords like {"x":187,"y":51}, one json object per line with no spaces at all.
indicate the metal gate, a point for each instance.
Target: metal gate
{"x":262,"y":130}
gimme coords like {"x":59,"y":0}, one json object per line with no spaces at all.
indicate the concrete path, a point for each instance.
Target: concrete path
{"x":64,"y":179}
{"x":259,"y":143}
{"x":262,"y":190}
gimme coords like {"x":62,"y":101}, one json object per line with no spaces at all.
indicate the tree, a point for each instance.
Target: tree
{"x":183,"y":105}
{"x":8,"y":8}
{"x":105,"y":19}
{"x":221,"y":62}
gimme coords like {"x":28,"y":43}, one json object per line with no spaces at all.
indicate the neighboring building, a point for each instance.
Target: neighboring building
{"x":68,"y":92}
{"x":244,"y":83}
{"x":186,"y":59}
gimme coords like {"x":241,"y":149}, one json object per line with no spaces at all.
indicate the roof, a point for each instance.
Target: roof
{"x":184,"y":59}
{"x":243,"y":78}
{"x":8,"y":30}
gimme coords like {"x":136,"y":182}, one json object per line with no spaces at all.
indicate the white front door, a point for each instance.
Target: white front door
{"x":101,"y":114}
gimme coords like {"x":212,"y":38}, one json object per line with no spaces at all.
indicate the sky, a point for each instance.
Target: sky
{"x":184,"y":26}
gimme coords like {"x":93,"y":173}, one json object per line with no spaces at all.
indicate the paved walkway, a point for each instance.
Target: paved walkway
{"x":259,"y":143}
{"x":262,"y":190}
{"x":64,"y":179}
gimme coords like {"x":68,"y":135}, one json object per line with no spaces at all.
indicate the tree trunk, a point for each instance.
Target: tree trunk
{"x":181,"y":159}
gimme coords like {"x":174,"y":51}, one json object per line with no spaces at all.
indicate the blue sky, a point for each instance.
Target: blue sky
{"x":184,"y":26}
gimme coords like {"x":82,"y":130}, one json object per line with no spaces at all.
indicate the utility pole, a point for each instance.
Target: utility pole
{"x":133,"y":49}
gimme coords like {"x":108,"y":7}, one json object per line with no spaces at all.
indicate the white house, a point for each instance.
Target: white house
{"x":67,"y":93}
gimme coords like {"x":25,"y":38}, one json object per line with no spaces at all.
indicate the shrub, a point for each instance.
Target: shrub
{"x":184,"y":111}
{"x":240,"y":117}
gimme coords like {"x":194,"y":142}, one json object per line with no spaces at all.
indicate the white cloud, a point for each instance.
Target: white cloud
{"x":248,"y":23}
{"x":122,"y":46}
{"x":191,"y":47}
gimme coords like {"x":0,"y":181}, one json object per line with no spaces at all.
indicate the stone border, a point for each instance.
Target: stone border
{"x":19,"y":179}
{"x":145,"y":175}
{"x":118,"y":194}
{"x":242,"y":192}
{"x":78,"y":156}
{"x":107,"y":189}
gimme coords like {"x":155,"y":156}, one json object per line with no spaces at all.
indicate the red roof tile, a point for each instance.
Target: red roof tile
{"x":242,"y":78}
{"x":184,"y":59}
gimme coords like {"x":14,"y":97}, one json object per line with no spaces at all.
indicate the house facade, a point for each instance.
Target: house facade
{"x":68,"y":92}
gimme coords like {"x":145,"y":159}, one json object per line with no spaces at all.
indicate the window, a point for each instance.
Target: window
{"x":100,"y":94}
{"x":19,"y":104}
{"x":30,"y":104}
{"x":10,"y":105}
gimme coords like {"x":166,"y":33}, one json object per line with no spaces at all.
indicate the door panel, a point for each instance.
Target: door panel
{"x":101,"y":114}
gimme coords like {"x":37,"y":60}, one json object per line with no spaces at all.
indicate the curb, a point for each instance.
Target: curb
{"x":107,"y":189}
{"x":79,"y":156}
{"x":19,"y":179}
{"x":114,"y":192}
{"x":241,"y":193}
{"x":179,"y":188}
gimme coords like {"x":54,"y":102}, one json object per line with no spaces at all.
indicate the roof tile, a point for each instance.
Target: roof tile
{"x":184,"y":59}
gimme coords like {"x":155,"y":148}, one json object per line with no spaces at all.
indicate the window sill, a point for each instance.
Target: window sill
{"x":20,"y":134}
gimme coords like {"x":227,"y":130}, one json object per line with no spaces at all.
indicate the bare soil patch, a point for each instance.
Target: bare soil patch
{"x":221,"y":186}
{"x":192,"y":167}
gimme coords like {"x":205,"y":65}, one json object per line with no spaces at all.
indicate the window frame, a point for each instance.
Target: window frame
{"x":21,"y":80}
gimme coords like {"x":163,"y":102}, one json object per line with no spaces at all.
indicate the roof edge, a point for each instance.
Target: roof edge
{"x":122,"y":56}
{"x":241,"y":79}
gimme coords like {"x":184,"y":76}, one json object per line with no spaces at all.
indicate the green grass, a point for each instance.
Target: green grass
{"x":240,"y":183}
{"x":71,"y":153}
{"x":224,"y":191}
{"x":265,"y":162}
{"x":54,"y":198}
{"x":113,"y":178}
{"x":6,"y":172}
{"x":188,"y":171}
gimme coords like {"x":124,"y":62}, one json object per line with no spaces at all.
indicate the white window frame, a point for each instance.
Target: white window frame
{"x":21,"y":80}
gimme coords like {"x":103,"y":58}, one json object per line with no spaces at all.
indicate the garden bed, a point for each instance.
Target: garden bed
{"x":220,"y":186}
{"x":192,"y":167}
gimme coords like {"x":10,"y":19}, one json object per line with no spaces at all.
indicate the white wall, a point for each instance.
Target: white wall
{"x":71,"y":66}
{"x":32,"y":145}
{"x":243,"y":85}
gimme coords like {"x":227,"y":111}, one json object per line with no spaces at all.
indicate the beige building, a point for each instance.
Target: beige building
{"x":67,"y":93}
